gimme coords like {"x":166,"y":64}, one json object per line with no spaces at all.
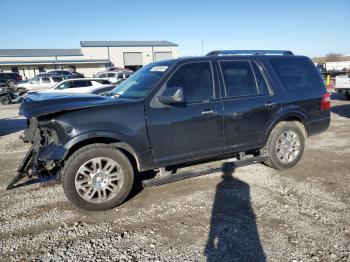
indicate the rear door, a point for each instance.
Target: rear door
{"x":248,"y":104}
{"x":191,"y":130}
{"x":45,"y":82}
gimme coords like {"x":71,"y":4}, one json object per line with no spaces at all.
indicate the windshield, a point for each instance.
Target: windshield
{"x":138,"y":84}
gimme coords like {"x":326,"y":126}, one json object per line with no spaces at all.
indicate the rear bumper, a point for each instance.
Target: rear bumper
{"x":318,"y":126}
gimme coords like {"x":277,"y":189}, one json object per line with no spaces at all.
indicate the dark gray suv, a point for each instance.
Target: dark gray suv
{"x":257,"y":106}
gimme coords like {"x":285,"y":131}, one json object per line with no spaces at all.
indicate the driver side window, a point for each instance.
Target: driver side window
{"x":196,"y":81}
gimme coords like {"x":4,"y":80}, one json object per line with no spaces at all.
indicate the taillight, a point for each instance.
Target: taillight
{"x":326,"y":102}
{"x":19,"y":78}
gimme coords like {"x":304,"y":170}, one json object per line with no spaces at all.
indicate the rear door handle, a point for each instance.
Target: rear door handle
{"x":270,"y":104}
{"x":209,"y":112}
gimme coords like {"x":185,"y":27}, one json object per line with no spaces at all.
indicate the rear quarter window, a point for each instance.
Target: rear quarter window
{"x":297,"y":74}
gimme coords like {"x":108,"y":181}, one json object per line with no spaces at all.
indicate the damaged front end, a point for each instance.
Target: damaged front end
{"x":45,"y":154}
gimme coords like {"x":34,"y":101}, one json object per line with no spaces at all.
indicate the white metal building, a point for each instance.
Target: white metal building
{"x":91,"y":58}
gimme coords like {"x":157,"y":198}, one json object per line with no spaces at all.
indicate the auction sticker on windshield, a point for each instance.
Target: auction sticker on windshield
{"x":159,"y":69}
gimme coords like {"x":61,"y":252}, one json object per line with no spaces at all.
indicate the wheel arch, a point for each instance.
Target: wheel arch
{"x":299,"y":118}
{"x":126,"y":148}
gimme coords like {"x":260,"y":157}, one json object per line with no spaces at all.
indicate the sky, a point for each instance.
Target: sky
{"x":306,"y":27}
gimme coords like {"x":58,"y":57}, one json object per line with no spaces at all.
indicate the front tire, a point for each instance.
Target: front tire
{"x":11,"y":83}
{"x":285,"y":146}
{"x":97,"y":177}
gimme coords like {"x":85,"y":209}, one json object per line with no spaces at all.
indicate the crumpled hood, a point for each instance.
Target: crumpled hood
{"x":39,"y":104}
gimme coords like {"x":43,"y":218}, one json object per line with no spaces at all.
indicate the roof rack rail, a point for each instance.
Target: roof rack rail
{"x":249,"y":52}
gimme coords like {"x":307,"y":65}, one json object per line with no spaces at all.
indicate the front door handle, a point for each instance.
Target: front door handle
{"x":209,"y":112}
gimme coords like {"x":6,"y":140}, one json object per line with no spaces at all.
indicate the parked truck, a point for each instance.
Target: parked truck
{"x":342,"y":85}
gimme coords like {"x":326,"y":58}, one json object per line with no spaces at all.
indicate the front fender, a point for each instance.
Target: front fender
{"x":143,"y":158}
{"x":113,"y":136}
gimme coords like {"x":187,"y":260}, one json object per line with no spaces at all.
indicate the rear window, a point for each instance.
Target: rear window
{"x":297,"y":74}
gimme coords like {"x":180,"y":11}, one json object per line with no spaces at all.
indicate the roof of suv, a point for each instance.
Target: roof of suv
{"x":244,"y":54}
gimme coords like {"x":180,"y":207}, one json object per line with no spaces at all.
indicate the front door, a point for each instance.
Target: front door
{"x":248,"y":105}
{"x":188,"y":131}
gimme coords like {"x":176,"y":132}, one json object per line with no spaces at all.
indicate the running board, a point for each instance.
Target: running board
{"x":157,"y":181}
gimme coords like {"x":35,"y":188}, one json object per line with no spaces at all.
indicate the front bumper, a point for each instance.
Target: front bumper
{"x":52,"y":152}
{"x":42,"y":157}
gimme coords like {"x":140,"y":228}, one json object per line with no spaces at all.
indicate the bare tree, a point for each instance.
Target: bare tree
{"x":334,"y":57}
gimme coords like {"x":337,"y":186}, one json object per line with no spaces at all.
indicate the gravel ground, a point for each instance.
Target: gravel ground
{"x":253,"y":214}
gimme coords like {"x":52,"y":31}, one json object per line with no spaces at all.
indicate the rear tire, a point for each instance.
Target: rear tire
{"x":102,"y":170}
{"x":5,"y":100}
{"x":285,"y":146}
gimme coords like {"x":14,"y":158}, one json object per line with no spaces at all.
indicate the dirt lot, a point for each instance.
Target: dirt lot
{"x":257,"y":214}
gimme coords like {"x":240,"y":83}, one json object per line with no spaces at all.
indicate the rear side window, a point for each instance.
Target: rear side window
{"x":296,"y":74}
{"x":45,"y":80}
{"x":238,"y":78}
{"x":57,"y":79}
{"x":196,"y":81}
{"x":103,"y":82}
{"x":80,"y":83}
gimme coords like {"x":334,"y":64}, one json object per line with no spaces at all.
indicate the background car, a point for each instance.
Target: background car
{"x":115,"y":77}
{"x":9,"y":79}
{"x":81,"y":85}
{"x":38,"y":83}
{"x":66,"y":74}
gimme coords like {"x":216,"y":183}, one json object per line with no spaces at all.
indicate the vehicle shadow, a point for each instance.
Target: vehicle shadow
{"x":11,"y":125}
{"x":233,"y":232}
{"x":341,"y":110}
{"x":138,"y":187}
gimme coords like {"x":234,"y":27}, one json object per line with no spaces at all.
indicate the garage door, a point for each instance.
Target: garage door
{"x":133,"y":59}
{"x":158,"y":56}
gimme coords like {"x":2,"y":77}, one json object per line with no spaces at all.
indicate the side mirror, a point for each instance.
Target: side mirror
{"x":172,"y":95}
